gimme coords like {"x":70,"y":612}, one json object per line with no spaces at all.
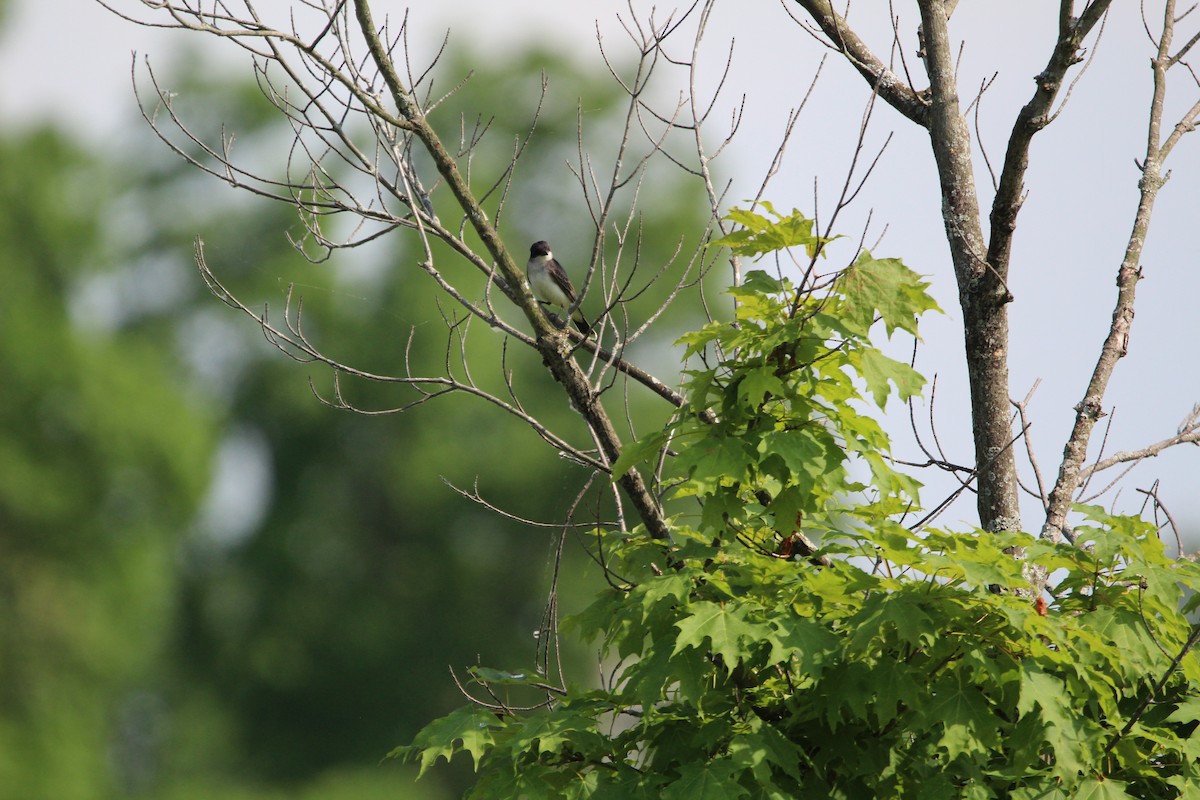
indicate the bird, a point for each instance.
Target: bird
{"x":550,"y":283}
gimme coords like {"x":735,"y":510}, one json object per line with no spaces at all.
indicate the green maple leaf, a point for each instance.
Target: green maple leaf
{"x":877,"y":370}
{"x":759,"y":383}
{"x":715,"y":458}
{"x":723,"y":626}
{"x":1096,"y":789}
{"x":705,"y":782}
{"x":809,"y":642}
{"x":968,"y":725}
{"x":638,"y":452}
{"x":760,"y":235}
{"x":887,"y":287}
{"x":809,"y":453}
{"x":551,"y":733}
{"x":1063,"y":729}
{"x":473,"y":726}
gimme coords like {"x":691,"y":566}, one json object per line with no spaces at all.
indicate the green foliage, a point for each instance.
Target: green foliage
{"x":891,"y":663}
{"x":759,"y":235}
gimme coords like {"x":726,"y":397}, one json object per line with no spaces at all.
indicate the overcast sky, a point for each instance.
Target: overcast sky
{"x":69,"y":60}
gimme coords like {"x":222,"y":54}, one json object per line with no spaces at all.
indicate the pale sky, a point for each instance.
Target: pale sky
{"x":70,"y":60}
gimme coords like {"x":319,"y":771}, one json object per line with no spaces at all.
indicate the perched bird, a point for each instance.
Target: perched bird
{"x":550,"y":283}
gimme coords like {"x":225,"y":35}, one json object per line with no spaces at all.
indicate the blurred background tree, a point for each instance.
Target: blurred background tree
{"x":211,"y":583}
{"x":103,"y":460}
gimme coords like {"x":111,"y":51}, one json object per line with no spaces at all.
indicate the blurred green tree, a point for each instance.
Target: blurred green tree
{"x":103,"y":460}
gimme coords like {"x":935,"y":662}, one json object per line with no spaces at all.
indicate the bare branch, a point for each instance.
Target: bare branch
{"x":890,"y":87}
{"x":1152,"y":494}
{"x":293,"y":342}
{"x":1116,"y":342}
{"x":1023,"y":410}
{"x":1190,"y":436}
{"x":1033,"y":117}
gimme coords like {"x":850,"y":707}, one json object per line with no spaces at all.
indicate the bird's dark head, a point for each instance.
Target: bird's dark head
{"x":539,"y":249}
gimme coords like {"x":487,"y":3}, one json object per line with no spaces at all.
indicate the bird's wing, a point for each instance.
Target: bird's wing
{"x":559,"y":276}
